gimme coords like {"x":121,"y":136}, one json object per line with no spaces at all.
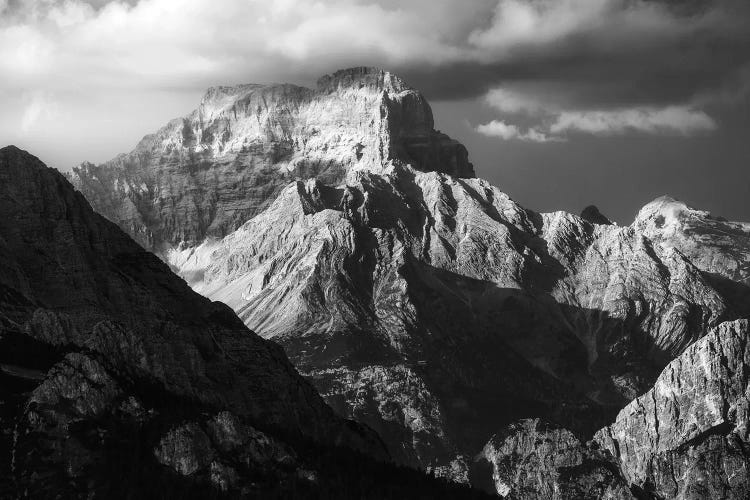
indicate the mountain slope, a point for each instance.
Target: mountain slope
{"x":430,"y":307}
{"x":119,"y":381}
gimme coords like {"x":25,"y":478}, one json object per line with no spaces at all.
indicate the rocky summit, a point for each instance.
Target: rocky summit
{"x":208,"y":173}
{"x":537,"y":355}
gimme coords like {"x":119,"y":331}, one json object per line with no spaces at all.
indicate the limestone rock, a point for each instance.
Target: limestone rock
{"x":225,"y":446}
{"x":531,"y":459}
{"x":207,"y":173}
{"x":718,"y":247}
{"x":687,"y":437}
{"x":185,"y":449}
{"x":713,"y":244}
{"x":592,"y":214}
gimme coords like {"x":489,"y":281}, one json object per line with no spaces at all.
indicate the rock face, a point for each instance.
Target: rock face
{"x":594,"y":216}
{"x":713,"y":244}
{"x":688,"y":437}
{"x":208,"y":173}
{"x":420,"y":300}
{"x":110,"y":365}
{"x":719,"y":248}
{"x":532,"y":459}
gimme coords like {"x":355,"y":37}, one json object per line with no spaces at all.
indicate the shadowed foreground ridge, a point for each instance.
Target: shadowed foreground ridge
{"x":119,"y":381}
{"x":467,"y":330}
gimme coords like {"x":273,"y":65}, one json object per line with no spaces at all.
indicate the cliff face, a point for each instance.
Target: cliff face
{"x":423,"y":301}
{"x":533,"y":459}
{"x":208,"y":173}
{"x":688,"y":436}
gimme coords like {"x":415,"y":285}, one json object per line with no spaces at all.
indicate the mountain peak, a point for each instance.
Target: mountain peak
{"x":592,"y":214}
{"x":362,"y":77}
{"x":662,"y":210}
{"x":12,"y":152}
{"x":10,"y":148}
{"x":244,"y":143}
{"x":663,"y":200}
{"x":219,"y":92}
{"x":23,"y":165}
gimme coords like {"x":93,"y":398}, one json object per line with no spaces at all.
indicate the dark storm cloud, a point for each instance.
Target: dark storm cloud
{"x":605,"y":67}
{"x":601,"y":80}
{"x":566,"y":55}
{"x":699,"y":47}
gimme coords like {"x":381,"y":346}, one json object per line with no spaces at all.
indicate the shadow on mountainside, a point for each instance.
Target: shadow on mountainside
{"x":736,"y":294}
{"x":113,"y":454}
{"x":487,"y":356}
{"x":212,"y":197}
{"x":523,"y":354}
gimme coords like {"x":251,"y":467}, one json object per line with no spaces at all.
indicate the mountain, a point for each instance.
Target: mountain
{"x":421,"y":300}
{"x":119,"y":381}
{"x":206,"y":174}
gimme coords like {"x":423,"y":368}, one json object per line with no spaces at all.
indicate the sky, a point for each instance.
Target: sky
{"x":561,"y":103}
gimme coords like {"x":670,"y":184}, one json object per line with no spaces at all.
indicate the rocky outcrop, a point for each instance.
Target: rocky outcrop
{"x":532,"y":459}
{"x":687,"y":437}
{"x":110,"y":366}
{"x":227,"y":453}
{"x":592,"y":214}
{"x":205,"y":174}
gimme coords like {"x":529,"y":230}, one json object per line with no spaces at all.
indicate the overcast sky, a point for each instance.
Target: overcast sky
{"x":562,"y":103}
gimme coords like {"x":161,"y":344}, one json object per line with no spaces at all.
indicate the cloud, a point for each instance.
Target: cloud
{"x":507,"y":132}
{"x":199,"y":42}
{"x":38,"y":106}
{"x":522,"y":24}
{"x":549,"y":57}
{"x":551,"y":120}
{"x":514,"y":102}
{"x":670,"y":120}
{"x":497,"y":128}
{"x":471,"y":47}
{"x":610,"y":53}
